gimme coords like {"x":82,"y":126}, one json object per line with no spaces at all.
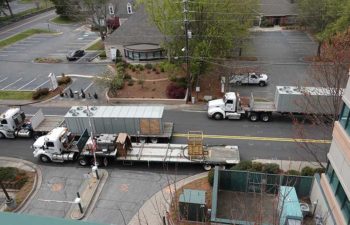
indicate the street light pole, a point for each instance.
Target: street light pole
{"x":188,"y":74}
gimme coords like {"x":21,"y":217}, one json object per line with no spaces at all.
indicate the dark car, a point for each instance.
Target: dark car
{"x":75,"y":54}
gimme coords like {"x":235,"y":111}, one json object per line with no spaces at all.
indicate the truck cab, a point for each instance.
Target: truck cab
{"x":11,"y":122}
{"x":227,"y":107}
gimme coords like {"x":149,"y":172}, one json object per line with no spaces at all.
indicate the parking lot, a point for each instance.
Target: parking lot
{"x":55,"y":45}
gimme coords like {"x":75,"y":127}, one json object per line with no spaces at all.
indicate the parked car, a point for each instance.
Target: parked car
{"x":250,"y":78}
{"x":75,"y":54}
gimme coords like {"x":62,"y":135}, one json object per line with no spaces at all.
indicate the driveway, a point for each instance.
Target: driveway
{"x":280,"y":54}
{"x":125,"y":191}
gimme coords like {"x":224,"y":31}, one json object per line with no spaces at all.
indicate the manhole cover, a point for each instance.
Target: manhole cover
{"x":56,"y":187}
{"x":124,"y":188}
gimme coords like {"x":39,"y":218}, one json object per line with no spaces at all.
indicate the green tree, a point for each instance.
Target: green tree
{"x":4,"y":7}
{"x":217,"y":27}
{"x":70,"y":9}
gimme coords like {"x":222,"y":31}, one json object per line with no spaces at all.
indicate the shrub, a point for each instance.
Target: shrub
{"x":182,"y":82}
{"x":174,"y":91}
{"x":271,"y":168}
{"x":319,"y":170}
{"x":64,"y":80}
{"x":148,"y":66}
{"x":120,"y":72}
{"x":130,"y":82}
{"x":103,"y":54}
{"x":127,"y":76}
{"x":293,"y":172}
{"x":117,"y":83}
{"x":162,"y":70}
{"x":120,"y":65}
{"x":7,"y":173}
{"x":133,"y":69}
{"x":167,"y":67}
{"x":172,"y":78}
{"x":130,"y":66}
{"x":243,"y":165}
{"x":21,"y":181}
{"x":307,"y":171}
{"x":211,"y":177}
{"x":257,"y":167}
{"x":154,"y":69}
{"x":141,"y":67}
{"x":40,"y":93}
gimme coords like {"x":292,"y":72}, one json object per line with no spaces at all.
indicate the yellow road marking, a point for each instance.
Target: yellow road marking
{"x":260,"y":138}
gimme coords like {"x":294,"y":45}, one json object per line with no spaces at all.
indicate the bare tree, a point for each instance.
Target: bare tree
{"x":331,"y":73}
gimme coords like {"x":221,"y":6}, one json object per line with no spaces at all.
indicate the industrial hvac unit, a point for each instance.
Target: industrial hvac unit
{"x":192,"y":205}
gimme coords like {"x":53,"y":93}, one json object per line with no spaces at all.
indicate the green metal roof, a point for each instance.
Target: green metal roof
{"x":192,"y":196}
{"x":24,"y":219}
{"x":289,"y":204}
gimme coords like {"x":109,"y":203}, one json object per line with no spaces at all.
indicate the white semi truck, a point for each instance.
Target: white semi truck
{"x":288,"y":100}
{"x":13,"y":123}
{"x":60,"y":145}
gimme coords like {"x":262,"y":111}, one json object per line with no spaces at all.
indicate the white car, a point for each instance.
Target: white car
{"x":249,"y":78}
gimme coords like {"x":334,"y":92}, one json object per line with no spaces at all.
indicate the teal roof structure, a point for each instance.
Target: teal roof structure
{"x":192,"y":196}
{"x":25,"y":219}
{"x":288,"y":204}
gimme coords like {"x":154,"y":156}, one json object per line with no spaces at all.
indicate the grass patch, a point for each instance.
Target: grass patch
{"x":16,"y":95}
{"x":21,"y":36}
{"x":62,"y":20}
{"x":47,"y":60}
{"x":98,"y":46}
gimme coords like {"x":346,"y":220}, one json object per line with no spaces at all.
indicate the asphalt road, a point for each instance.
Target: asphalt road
{"x":255,"y":140}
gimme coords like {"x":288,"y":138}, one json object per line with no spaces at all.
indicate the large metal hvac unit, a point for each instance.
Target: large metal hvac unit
{"x":133,"y":120}
{"x":192,"y":205}
{"x":294,"y":99}
{"x":289,"y":210}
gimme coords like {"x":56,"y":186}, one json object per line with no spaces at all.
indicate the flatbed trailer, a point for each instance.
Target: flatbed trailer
{"x":43,"y":124}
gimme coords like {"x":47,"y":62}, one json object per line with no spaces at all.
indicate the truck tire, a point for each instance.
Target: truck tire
{"x":238,"y":83}
{"x":265,"y":117}
{"x":253,"y":117}
{"x":105,"y":162}
{"x":83,"y":161}
{"x":2,"y":136}
{"x":262,"y":83}
{"x":44,"y":159}
{"x":218,"y":116}
{"x":207,"y":167}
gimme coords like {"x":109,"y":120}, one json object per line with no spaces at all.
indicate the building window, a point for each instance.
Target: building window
{"x":329,"y":171}
{"x":144,"y":56}
{"x":346,"y":211}
{"x":344,"y":119}
{"x":129,"y":8}
{"x":111,"y":9}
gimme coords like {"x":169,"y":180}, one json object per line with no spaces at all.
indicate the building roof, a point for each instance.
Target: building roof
{"x":137,"y":29}
{"x":278,"y":8}
{"x":289,"y":204}
{"x":193,"y":196}
{"x":23,"y":219}
{"x":121,"y":7}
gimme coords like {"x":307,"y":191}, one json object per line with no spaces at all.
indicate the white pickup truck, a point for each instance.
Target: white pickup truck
{"x":249,"y":78}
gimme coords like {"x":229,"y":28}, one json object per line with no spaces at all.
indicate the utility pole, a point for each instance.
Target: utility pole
{"x":188,"y":74}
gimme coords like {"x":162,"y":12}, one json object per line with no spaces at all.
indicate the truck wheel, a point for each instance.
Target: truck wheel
{"x":2,"y":136}
{"x":262,"y":84}
{"x":207,"y":167}
{"x":82,"y":161}
{"x":218,"y":116}
{"x":44,"y":159}
{"x":238,"y":83}
{"x":154,"y":140}
{"x":253,"y":117}
{"x":265,"y":117}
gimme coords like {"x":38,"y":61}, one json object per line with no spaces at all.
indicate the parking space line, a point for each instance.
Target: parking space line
{"x":27,"y":84}
{"x":3,"y":79}
{"x":11,"y":83}
{"x":88,"y":86}
{"x":7,"y":51}
{"x":4,"y":55}
{"x":57,"y":54}
{"x":41,"y":85}
{"x":17,"y":47}
{"x":29,"y":41}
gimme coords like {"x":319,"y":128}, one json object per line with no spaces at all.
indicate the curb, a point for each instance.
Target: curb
{"x":151,"y":211}
{"x":87,"y":204}
{"x":36,"y":185}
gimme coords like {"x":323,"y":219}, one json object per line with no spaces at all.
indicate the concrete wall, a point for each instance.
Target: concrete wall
{"x":322,"y":208}
{"x":339,"y":156}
